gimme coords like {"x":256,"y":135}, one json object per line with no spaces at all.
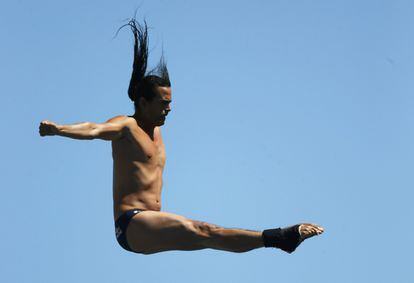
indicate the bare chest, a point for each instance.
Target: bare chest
{"x":141,"y":150}
{"x":154,"y":155}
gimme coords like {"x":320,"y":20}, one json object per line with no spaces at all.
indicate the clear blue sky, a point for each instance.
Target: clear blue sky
{"x":283,"y":112}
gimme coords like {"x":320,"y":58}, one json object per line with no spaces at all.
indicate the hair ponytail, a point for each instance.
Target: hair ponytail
{"x":139,"y":66}
{"x":142,"y":83}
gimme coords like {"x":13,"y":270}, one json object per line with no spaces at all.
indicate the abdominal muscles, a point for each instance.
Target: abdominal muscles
{"x":138,"y":186}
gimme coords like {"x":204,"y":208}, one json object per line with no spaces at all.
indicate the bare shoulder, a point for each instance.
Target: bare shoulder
{"x":118,"y":119}
{"x":122,"y":120}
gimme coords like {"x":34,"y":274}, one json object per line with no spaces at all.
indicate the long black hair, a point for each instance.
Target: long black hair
{"x":142,"y":83}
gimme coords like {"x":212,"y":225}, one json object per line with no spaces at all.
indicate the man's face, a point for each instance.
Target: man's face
{"x":158,"y":108}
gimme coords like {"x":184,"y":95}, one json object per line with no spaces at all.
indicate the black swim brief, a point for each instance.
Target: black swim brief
{"x":121,"y":225}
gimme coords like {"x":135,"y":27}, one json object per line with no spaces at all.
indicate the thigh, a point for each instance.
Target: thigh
{"x":155,"y":231}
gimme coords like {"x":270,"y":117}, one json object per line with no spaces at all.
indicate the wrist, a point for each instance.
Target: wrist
{"x":58,"y":129}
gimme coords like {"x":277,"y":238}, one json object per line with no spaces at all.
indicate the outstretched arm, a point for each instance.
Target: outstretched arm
{"x":113,"y":129}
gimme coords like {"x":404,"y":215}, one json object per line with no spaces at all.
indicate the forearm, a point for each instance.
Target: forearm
{"x":80,"y":131}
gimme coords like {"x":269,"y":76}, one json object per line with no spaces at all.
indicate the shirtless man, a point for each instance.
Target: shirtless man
{"x":139,"y":158}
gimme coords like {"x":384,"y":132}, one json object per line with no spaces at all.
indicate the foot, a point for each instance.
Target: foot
{"x":302,"y":232}
{"x":289,"y":238}
{"x":309,"y":230}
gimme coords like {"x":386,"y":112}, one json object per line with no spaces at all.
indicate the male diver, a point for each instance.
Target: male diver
{"x":138,"y":163}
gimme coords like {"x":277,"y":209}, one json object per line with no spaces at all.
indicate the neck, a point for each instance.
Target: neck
{"x":144,"y":124}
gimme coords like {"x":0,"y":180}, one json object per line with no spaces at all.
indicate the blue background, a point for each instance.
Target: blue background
{"x":283,"y":112}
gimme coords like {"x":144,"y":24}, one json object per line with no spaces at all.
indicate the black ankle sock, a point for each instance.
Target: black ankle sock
{"x":287,"y":239}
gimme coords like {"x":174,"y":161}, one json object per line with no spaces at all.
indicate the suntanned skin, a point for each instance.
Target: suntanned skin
{"x":139,"y":158}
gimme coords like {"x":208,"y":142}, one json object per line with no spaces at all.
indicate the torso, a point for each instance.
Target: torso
{"x":138,"y":165}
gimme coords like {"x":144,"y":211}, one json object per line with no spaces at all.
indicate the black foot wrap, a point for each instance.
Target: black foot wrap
{"x":287,"y":239}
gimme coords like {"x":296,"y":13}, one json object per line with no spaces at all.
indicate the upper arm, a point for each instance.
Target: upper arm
{"x":113,"y":129}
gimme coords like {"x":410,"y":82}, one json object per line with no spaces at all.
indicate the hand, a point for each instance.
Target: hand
{"x":47,"y":128}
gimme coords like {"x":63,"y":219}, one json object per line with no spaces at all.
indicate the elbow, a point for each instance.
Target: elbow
{"x":94,"y":131}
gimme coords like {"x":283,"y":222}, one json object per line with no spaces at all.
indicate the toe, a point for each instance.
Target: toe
{"x":309,"y":230}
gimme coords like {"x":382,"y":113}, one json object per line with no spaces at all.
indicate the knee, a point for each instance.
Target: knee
{"x":203,"y":229}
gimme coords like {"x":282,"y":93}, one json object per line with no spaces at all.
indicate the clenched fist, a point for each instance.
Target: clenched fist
{"x":47,"y":128}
